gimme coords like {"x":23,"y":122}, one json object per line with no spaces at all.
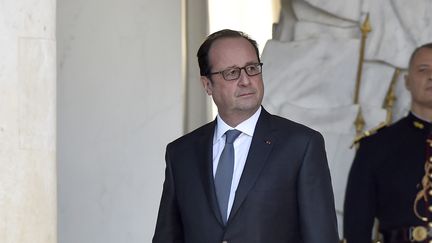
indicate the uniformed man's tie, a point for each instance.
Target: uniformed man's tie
{"x":224,"y":173}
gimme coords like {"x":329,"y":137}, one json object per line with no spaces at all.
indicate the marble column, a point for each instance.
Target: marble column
{"x":27,"y":121}
{"x":198,"y":104}
{"x":120,"y":101}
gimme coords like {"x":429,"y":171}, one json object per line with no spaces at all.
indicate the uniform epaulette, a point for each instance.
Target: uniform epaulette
{"x":369,"y":133}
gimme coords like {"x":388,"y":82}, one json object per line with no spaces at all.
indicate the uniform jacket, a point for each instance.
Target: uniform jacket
{"x":385,"y":178}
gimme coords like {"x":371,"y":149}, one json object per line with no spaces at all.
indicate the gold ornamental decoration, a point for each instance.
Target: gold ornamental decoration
{"x":365,"y":29}
{"x":419,"y":233}
{"x":391,"y":97}
{"x":425,"y":191}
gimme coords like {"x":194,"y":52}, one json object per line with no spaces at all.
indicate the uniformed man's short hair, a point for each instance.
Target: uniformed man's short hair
{"x":427,"y":45}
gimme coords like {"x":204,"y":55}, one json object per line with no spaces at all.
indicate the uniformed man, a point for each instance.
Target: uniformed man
{"x":391,"y":176}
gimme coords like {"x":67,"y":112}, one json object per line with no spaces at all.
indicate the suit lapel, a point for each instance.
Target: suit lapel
{"x":205,"y":155}
{"x":262,"y":144}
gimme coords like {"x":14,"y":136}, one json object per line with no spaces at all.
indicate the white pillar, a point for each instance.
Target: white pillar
{"x":198,"y":103}
{"x":27,"y":121}
{"x":120,"y":101}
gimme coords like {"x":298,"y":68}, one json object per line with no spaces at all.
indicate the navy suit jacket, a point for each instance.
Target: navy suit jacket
{"x":284,"y":194}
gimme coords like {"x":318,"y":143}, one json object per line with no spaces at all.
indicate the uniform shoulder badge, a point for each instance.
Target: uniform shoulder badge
{"x":418,"y":125}
{"x":368,"y":133}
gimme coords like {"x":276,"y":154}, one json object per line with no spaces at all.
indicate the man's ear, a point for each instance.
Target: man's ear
{"x":207,"y":84}
{"x":407,"y":83}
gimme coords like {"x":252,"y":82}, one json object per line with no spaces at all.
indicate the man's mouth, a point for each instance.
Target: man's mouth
{"x":245,"y":94}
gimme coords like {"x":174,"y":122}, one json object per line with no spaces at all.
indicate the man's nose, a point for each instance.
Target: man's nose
{"x":244,"y":78}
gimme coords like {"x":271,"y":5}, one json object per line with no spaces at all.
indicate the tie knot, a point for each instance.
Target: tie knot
{"x":231,"y":135}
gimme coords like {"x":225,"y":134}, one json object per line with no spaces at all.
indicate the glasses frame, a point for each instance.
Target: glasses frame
{"x":260,"y":64}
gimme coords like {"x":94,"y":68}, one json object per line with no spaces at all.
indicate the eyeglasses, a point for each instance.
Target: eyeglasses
{"x":230,"y":74}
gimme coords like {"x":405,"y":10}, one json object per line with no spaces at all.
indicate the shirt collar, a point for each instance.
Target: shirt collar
{"x":246,"y":127}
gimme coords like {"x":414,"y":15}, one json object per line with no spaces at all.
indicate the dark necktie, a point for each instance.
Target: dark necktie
{"x":224,"y":173}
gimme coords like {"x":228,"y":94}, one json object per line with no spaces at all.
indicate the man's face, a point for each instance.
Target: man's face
{"x":419,"y":80}
{"x":235,"y":99}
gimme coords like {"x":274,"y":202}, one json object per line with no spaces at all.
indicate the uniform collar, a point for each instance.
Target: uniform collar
{"x":419,"y":123}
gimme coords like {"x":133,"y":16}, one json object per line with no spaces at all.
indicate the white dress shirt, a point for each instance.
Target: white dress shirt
{"x":241,"y":148}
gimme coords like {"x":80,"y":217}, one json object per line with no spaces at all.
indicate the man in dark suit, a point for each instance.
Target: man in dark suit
{"x":277,"y":187}
{"x":391,"y":176}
